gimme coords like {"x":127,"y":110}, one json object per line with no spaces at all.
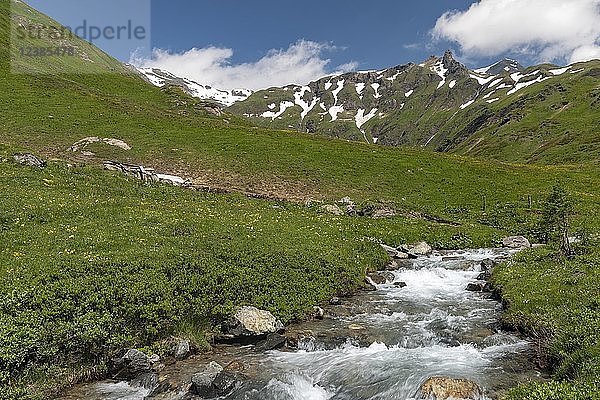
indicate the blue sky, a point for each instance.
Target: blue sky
{"x":373,"y":33}
{"x":260,"y":43}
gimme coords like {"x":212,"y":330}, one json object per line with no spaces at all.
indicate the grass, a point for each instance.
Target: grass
{"x":557,"y":302}
{"x":92,"y":262}
{"x":84,"y":252}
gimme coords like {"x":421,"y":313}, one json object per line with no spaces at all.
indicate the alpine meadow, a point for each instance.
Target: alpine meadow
{"x":423,"y":231}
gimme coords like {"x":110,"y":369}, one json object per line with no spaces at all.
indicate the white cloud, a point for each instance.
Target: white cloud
{"x":300,"y":63}
{"x":549,"y":30}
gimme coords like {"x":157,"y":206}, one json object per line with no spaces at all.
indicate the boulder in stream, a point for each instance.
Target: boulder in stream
{"x":132,"y":364}
{"x":381,"y":278}
{"x":443,"y":388}
{"x":418,"y":249}
{"x":215,"y":381}
{"x":251,"y":322}
{"x":476,"y":287}
{"x":273,"y":341}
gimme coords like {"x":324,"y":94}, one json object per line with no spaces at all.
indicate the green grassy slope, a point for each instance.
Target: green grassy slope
{"x":554,"y":120}
{"x":84,"y":251}
{"x":557,"y":302}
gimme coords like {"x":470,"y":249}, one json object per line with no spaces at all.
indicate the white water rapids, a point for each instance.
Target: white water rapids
{"x":383,"y":345}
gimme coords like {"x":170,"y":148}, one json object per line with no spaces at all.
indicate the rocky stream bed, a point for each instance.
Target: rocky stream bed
{"x":428,"y":329}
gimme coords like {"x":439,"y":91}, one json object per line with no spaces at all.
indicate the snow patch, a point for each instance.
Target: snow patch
{"x":452,"y":84}
{"x":376,"y":87}
{"x":334,"y":111}
{"x":441,"y":71}
{"x":338,"y":89}
{"x":362,"y":119}
{"x":467,"y":104}
{"x":559,"y":71}
{"x":407,"y":94}
{"x":283,"y":106}
{"x":393,"y":78}
{"x":497,"y":81}
{"x":306,"y":106}
{"x":523,"y":85}
{"x":359,"y":88}
{"x":160,"y":78}
{"x":482,"y":81}
{"x":492,"y":100}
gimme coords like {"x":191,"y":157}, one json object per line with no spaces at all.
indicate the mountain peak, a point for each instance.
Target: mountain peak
{"x":506,"y":65}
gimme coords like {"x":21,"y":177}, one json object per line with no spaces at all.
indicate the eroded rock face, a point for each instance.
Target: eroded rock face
{"x":252,"y":322}
{"x":516,"y":242}
{"x":443,"y":388}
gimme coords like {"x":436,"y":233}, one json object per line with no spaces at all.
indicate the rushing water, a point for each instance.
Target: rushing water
{"x":384,"y":344}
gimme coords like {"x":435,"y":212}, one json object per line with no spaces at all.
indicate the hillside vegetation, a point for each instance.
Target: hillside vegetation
{"x":541,"y":114}
{"x":92,"y":262}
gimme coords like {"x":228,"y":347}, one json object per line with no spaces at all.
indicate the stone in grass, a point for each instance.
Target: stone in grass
{"x":29,"y":160}
{"x":516,"y":242}
{"x":332,"y":209}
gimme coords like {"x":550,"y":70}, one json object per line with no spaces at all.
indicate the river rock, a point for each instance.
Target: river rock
{"x":132,"y":364}
{"x":476,"y":287}
{"x":332,"y":209}
{"x":29,"y":160}
{"x":484,"y":276}
{"x":516,"y":242}
{"x":318,"y":312}
{"x":487,"y":264}
{"x":273,"y":341}
{"x":335,"y":301}
{"x":442,"y":388}
{"x":251,"y":322}
{"x":370,"y":285}
{"x":202,"y":382}
{"x":400,"y":284}
{"x":381,"y":278}
{"x":418,"y":249}
{"x":181,"y":349}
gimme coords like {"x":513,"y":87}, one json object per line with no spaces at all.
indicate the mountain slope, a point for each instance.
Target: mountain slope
{"x":161,"y":78}
{"x":507,"y":112}
{"x":31,"y":30}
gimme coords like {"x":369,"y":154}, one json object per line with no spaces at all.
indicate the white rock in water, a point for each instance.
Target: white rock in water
{"x":250,"y":321}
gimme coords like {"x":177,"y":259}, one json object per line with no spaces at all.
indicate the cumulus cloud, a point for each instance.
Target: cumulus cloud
{"x":548,"y":30}
{"x":300,"y":63}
